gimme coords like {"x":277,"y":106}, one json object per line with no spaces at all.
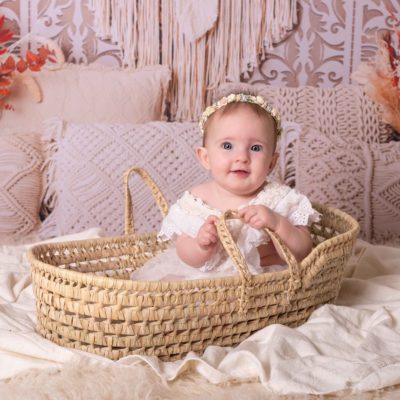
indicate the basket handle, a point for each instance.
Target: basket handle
{"x":241,"y":265}
{"x":155,"y":191}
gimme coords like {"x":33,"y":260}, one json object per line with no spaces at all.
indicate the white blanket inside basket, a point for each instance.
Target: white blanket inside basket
{"x":354,"y":344}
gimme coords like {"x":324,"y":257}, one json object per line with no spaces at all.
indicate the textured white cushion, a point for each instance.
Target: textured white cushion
{"x":92,"y":93}
{"x":285,"y":171}
{"x":87,"y":167}
{"x":385,"y":193}
{"x":20,"y":184}
{"x":362,"y":180}
{"x":330,"y":172}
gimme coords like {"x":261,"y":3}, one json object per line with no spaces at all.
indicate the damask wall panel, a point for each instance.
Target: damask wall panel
{"x":69,"y":22}
{"x":331,"y":39}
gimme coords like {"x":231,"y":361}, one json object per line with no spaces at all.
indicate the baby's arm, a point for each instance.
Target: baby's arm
{"x":269,"y":255}
{"x":197,"y":251}
{"x":297,"y":238}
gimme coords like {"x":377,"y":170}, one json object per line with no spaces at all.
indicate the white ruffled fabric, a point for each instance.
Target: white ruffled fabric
{"x":188,"y":214}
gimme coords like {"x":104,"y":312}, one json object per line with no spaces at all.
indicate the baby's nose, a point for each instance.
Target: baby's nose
{"x":242,"y":155}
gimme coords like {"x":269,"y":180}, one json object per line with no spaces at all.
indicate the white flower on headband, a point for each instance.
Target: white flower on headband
{"x":241,"y":98}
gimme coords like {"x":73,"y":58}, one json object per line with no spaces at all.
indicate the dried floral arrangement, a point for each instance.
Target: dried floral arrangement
{"x":381,"y":77}
{"x":10,"y":65}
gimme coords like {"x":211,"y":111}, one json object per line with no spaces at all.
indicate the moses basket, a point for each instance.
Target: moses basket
{"x":85,"y":299}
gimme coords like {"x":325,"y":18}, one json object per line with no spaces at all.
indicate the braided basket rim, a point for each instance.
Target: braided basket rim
{"x":157,"y":286}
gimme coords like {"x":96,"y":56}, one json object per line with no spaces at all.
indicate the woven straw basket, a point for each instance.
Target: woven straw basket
{"x":85,"y":299}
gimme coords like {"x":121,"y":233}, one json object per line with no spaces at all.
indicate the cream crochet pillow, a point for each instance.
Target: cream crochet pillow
{"x":90,"y":93}
{"x":362,"y":180}
{"x":385,"y":193}
{"x":20,"y":185}
{"x":85,"y":187}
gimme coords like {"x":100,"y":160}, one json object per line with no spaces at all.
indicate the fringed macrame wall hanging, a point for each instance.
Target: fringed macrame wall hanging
{"x":204,"y":42}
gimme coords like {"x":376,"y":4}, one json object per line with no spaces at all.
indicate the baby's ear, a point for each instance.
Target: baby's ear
{"x":274,"y":160}
{"x":202,"y":156}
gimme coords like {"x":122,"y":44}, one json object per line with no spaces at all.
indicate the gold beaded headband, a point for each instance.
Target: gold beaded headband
{"x":241,"y":98}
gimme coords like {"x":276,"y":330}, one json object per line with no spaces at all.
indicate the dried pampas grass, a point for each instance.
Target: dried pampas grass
{"x":381,"y":80}
{"x":382,"y":91}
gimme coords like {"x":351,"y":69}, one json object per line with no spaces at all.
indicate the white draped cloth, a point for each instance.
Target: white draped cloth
{"x":353,"y":344}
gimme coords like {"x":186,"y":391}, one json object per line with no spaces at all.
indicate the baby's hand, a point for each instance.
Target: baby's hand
{"x":259,"y":217}
{"x":208,"y":235}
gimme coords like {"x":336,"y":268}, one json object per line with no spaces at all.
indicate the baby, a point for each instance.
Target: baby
{"x":240,"y":133}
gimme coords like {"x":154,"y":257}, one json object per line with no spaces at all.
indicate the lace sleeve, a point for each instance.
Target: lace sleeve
{"x":297,"y":208}
{"x":177,"y":222}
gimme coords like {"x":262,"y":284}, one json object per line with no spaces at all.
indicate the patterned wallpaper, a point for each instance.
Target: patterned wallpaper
{"x":331,"y":39}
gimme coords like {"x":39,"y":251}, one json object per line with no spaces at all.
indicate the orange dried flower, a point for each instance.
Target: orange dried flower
{"x":8,"y":67}
{"x":381,"y":77}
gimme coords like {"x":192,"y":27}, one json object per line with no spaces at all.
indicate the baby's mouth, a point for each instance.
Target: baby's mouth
{"x":240,"y":172}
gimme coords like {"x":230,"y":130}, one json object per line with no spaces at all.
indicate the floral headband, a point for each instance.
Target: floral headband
{"x":241,"y":98}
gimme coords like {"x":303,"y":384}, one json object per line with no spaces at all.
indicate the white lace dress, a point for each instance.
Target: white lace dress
{"x":188,"y":214}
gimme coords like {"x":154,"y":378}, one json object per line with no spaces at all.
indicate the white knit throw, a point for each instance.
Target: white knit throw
{"x":204,"y":42}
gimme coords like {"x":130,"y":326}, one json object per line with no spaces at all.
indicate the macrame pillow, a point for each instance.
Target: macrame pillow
{"x":87,"y":163}
{"x":89,"y":93}
{"x":87,"y":166}
{"x":362,"y":180}
{"x":285,"y":171}
{"x":20,"y":185}
{"x":329,"y":172}
{"x":385,"y":193}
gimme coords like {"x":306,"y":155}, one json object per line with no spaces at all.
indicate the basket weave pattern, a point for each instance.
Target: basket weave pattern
{"x":85,"y":299}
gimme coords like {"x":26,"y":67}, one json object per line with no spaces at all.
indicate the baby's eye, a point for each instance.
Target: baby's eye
{"x":256,"y":147}
{"x":227,"y":146}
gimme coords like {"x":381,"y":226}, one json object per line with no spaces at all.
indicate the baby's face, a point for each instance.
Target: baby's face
{"x":239,"y":151}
